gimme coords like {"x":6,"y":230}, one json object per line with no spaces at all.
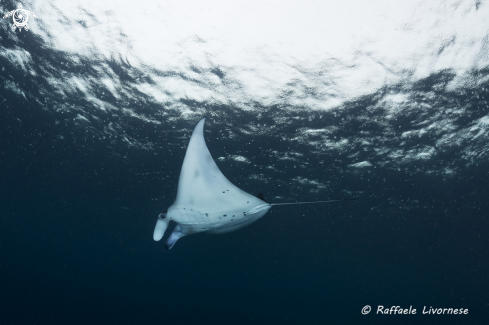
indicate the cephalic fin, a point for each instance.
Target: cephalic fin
{"x":175,"y":235}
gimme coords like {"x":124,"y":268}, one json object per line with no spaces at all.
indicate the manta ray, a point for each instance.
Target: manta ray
{"x":206,"y":200}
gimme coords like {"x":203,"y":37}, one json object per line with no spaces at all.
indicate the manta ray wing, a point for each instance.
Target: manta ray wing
{"x":201,"y":183}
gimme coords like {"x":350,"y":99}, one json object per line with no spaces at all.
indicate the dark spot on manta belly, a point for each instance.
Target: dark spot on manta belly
{"x":206,"y":214}
{"x":224,"y":215}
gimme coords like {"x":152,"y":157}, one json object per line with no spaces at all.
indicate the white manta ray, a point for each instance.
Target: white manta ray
{"x":206,"y":200}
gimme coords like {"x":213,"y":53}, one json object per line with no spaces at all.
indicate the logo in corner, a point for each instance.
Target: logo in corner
{"x":366,"y":310}
{"x":20,"y":16}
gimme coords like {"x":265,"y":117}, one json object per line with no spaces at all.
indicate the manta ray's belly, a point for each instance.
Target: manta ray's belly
{"x":193,"y":221}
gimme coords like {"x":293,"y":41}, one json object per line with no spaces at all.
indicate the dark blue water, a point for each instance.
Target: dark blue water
{"x":79,"y":198}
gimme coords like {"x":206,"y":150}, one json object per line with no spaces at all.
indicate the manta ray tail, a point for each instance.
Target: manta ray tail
{"x":314,"y":202}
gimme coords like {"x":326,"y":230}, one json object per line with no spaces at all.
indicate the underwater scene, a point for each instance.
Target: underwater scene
{"x":244,"y":162}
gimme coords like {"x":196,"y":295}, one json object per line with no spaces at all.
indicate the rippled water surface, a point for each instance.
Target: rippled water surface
{"x":385,"y":101}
